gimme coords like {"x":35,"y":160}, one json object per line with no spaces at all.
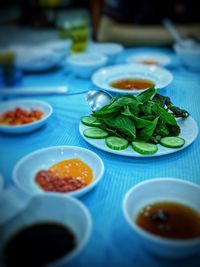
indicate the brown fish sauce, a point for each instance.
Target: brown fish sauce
{"x":132,"y":84}
{"x":170,"y":220}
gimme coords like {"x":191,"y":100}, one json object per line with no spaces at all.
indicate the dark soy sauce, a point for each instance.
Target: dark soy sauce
{"x":38,"y":244}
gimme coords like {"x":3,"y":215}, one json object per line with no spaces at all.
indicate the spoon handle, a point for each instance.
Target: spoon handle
{"x":170,"y":27}
{"x":78,"y":93}
{"x":34,"y":91}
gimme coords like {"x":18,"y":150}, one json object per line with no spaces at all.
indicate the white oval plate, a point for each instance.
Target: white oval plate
{"x":25,"y":170}
{"x":103,"y":77}
{"x":189,"y":132}
{"x":160,"y":58}
{"x":27,"y":105}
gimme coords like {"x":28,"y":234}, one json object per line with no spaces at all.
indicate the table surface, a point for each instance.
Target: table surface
{"x":112,"y":242}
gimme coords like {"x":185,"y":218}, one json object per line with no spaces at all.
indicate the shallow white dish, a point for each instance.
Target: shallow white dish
{"x":27,"y":105}
{"x":83,"y":65}
{"x":167,"y":189}
{"x":103,"y":77}
{"x":36,"y":58}
{"x":189,"y":132}
{"x":56,"y":208}
{"x":159,"y":58}
{"x":25,"y":170}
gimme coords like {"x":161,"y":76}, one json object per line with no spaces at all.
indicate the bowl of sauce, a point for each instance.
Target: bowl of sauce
{"x":131,"y":78}
{"x":149,"y":59}
{"x":66,"y":170}
{"x":165,"y":216}
{"x":52,"y":236}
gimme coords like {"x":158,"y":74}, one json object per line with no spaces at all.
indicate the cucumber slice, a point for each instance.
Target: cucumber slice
{"x":116,"y":143}
{"x":95,"y":133}
{"x":90,"y":121}
{"x":144,"y":148}
{"x":172,"y":141}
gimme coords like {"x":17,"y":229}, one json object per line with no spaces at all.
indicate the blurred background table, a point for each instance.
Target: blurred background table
{"x":112,"y":242}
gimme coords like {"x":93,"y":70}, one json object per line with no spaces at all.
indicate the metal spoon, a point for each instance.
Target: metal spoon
{"x":97,"y":99}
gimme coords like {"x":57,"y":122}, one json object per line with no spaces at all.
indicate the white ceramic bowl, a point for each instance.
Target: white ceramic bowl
{"x":158,"y":190}
{"x":53,"y":208}
{"x":160,"y":58}
{"x":25,"y":170}
{"x":27,"y":105}
{"x":189,"y":54}
{"x":111,"y":50}
{"x":85,"y":64}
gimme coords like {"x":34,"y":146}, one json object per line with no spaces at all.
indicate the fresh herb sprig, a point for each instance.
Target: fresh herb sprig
{"x":146,"y":117}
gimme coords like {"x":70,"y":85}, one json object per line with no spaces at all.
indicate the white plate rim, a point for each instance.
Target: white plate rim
{"x":124,"y":68}
{"x":98,"y":143}
{"x":15,"y":103}
{"x":1,"y":182}
{"x":76,"y":193}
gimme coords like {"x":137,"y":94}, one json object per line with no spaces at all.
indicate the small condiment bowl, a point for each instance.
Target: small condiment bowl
{"x":85,"y":64}
{"x":162,"y":190}
{"x":52,"y":208}
{"x":25,"y":104}
{"x":25,"y":171}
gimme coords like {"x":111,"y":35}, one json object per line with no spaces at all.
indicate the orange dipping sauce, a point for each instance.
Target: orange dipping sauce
{"x":132,"y":84}
{"x":73,"y":168}
{"x":65,"y":176}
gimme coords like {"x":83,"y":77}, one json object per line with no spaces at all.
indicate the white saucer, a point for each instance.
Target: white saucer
{"x":105,"y":76}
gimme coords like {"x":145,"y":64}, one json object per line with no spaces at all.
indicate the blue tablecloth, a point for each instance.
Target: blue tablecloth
{"x":112,"y":242}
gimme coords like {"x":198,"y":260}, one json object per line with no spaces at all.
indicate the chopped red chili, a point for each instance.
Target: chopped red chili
{"x":19,"y":116}
{"x":49,"y":181}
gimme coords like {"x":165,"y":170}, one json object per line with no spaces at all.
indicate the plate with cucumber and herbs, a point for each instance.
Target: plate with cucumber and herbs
{"x":148,"y":124}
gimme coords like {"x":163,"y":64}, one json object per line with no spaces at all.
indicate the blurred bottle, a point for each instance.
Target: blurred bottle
{"x":79,"y":35}
{"x":10,"y":73}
